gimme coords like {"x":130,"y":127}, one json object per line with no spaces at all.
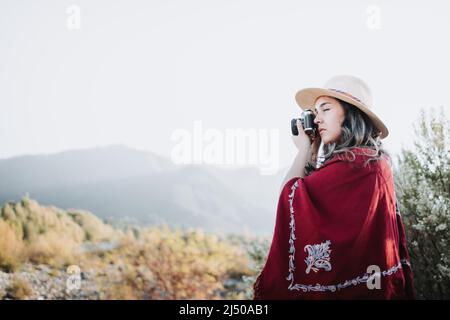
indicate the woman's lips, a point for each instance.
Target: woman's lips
{"x":321,"y":130}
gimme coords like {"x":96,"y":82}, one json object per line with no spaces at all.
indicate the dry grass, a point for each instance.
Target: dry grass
{"x":11,"y":248}
{"x":53,"y":249}
{"x":19,"y":288}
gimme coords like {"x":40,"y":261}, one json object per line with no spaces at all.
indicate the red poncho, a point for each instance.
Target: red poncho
{"x":331,"y":226}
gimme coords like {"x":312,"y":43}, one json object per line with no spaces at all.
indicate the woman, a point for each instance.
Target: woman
{"x":338,"y":232}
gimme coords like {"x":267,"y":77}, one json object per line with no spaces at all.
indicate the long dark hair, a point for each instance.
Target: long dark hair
{"x":357,"y":131}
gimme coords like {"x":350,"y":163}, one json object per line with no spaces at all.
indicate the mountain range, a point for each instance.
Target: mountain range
{"x":122,"y":185}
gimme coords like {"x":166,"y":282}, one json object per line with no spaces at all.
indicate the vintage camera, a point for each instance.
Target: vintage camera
{"x":307,"y":118}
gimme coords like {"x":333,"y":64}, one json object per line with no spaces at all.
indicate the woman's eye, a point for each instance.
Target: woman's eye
{"x":325,"y":109}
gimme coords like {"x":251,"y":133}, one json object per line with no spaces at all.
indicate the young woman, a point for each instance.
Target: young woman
{"x":338,"y":231}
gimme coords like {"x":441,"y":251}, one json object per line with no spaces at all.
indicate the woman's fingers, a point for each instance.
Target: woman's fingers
{"x":299,"y":125}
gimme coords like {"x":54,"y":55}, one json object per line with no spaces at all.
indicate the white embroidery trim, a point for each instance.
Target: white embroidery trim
{"x":319,"y":287}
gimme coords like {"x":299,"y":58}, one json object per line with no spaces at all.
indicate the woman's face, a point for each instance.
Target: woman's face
{"x":329,"y":116}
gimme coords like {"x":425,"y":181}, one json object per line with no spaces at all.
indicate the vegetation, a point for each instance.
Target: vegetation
{"x":423,"y":187}
{"x":138,"y":263}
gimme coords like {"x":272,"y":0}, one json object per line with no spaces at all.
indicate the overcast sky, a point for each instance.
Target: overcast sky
{"x":80,"y":74}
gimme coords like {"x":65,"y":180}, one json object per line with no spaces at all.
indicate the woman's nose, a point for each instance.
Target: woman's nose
{"x":316,"y":119}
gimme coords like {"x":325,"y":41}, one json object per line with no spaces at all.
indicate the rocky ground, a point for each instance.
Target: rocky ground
{"x":43,"y":282}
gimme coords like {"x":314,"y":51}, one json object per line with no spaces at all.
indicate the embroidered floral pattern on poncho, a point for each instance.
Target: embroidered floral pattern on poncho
{"x":318,"y":257}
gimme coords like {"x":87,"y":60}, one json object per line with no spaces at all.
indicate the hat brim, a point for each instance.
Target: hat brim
{"x":306,"y":99}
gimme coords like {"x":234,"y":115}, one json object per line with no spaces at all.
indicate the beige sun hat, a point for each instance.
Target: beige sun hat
{"x":347,"y":88}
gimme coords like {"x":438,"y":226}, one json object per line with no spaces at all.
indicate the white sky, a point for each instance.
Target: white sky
{"x":136,"y":71}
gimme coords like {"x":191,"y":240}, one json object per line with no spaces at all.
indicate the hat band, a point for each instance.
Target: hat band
{"x":347,"y":94}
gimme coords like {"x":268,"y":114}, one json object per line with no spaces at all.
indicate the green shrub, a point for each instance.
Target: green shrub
{"x":423,"y":191}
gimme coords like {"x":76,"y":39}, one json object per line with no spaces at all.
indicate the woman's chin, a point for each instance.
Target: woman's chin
{"x":328,"y":140}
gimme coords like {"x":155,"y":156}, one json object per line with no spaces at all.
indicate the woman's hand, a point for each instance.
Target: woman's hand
{"x":302,"y":141}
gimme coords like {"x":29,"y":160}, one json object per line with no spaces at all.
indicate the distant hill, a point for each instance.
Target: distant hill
{"x":125,"y":185}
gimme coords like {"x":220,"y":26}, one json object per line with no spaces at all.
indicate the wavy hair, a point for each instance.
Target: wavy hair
{"x":357,"y":131}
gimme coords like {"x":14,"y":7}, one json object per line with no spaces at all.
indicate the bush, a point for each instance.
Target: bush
{"x":39,"y":234}
{"x":257,"y":251}
{"x":174,"y":264}
{"x":152,"y":263}
{"x":423,"y":191}
{"x":52,"y":248}
{"x":94,"y":228}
